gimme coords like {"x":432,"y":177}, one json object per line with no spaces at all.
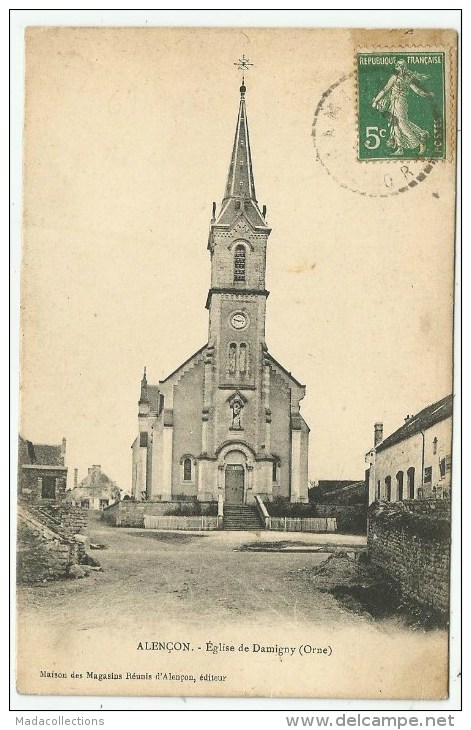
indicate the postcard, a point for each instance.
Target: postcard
{"x":235,"y":451}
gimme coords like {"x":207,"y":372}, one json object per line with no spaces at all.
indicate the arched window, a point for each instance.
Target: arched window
{"x":275,"y":471}
{"x":411,"y":483}
{"x":187,"y":469}
{"x":232,"y":357}
{"x":400,"y":485}
{"x":239,"y":263}
{"x":243,"y":357}
{"x":387,"y":482}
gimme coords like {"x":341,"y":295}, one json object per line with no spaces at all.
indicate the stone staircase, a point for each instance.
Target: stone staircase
{"x":242,"y":517}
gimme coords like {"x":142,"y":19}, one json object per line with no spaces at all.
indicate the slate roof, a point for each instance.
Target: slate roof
{"x":350,"y":494}
{"x":240,"y":187}
{"x":96,"y":484}
{"x":42,"y":454}
{"x":426,"y":418}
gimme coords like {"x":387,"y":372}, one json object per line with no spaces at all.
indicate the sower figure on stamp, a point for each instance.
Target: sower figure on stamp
{"x":393,"y":100}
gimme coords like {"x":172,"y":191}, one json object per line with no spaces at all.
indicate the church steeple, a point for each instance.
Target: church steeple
{"x":240,"y":193}
{"x":144,"y":396}
{"x":240,"y":182}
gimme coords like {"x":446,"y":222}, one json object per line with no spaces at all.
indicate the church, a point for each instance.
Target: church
{"x":227,"y":422}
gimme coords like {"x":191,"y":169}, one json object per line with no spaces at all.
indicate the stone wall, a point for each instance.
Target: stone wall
{"x":40,"y":558}
{"x":64,"y":519}
{"x":30,"y":483}
{"x":410,"y":542}
{"x":131,"y":514}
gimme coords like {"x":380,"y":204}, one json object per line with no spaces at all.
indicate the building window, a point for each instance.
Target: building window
{"x":143,"y":438}
{"x":232,"y":357}
{"x":239,"y":263}
{"x":378,"y":490}
{"x":411,"y":483}
{"x":104,"y":503}
{"x":427,"y":475}
{"x":387,"y":482}
{"x":442,"y":468}
{"x":435,"y":444}
{"x":275,"y":472}
{"x":48,"y":489}
{"x":243,"y":357}
{"x":187,"y":469}
{"x":400,"y":485}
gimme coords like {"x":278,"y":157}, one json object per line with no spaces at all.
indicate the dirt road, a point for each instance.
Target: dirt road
{"x":199,"y":575}
{"x":207,"y":593}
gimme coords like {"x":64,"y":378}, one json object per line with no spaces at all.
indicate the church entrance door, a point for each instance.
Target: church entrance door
{"x":235,"y":479}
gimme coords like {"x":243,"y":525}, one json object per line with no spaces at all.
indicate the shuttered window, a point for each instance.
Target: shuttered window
{"x":239,"y":263}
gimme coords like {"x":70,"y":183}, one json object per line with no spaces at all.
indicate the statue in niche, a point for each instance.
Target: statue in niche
{"x":236,"y":407}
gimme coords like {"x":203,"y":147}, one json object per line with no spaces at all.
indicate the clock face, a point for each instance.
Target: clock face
{"x":239,"y":320}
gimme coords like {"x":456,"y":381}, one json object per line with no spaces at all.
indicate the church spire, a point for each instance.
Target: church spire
{"x":239,"y":196}
{"x":240,"y":183}
{"x":144,"y":397}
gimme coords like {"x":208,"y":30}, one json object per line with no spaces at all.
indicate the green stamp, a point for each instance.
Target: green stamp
{"x":401,"y":105}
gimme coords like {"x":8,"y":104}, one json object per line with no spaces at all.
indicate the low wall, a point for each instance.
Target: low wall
{"x":304,"y":524}
{"x":131,"y":514}
{"x":62,"y":518}
{"x":410,"y":542}
{"x":172,"y":522}
{"x":40,"y":558}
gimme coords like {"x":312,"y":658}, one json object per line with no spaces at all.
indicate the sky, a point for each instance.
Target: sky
{"x":127,"y":141}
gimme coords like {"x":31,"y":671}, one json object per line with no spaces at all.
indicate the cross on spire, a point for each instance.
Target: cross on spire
{"x":243,"y":64}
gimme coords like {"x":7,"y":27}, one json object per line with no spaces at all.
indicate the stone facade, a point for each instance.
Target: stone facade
{"x":414,"y":462}
{"x":227,"y":422}
{"x":42,"y":474}
{"x":411,"y":544}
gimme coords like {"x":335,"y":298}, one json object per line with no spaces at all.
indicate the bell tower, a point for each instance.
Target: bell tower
{"x":236,"y":413}
{"x":226,"y":424}
{"x":237,"y":244}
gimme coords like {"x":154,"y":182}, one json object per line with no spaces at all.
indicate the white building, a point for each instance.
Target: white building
{"x":95,"y":491}
{"x":414,"y":462}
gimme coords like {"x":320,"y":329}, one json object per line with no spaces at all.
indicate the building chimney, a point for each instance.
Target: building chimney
{"x":75,"y":477}
{"x":63,"y":449}
{"x":89,"y":470}
{"x":378,"y":433}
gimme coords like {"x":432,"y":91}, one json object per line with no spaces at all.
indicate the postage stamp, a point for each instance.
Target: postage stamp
{"x":401,"y":105}
{"x":334,"y":133}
